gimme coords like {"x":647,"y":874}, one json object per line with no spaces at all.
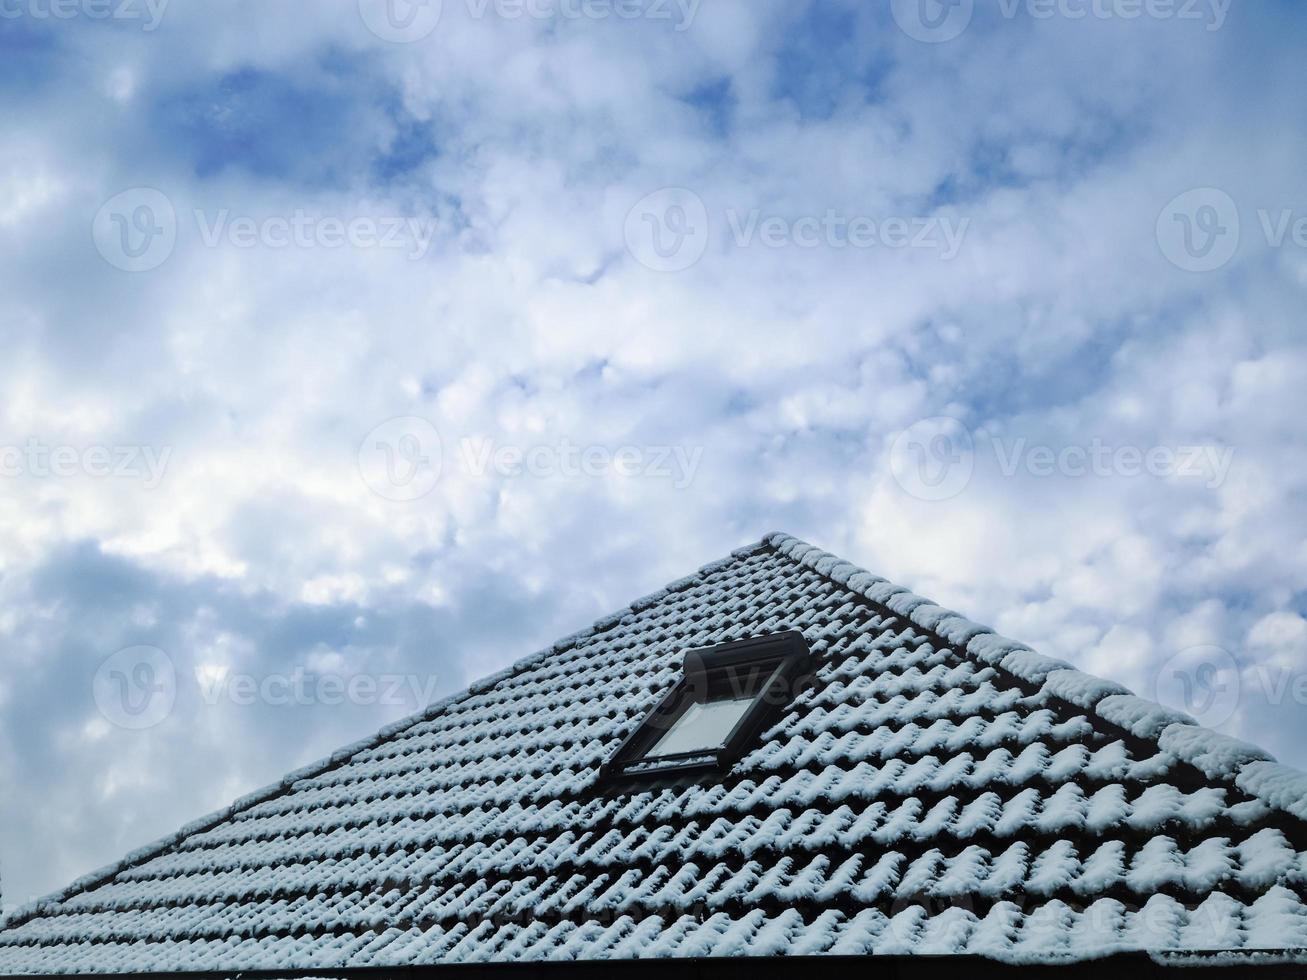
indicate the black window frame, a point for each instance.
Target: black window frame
{"x":774,"y":665}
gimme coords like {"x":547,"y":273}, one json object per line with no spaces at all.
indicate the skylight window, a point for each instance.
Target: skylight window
{"x":702,"y":727}
{"x":725,"y":697}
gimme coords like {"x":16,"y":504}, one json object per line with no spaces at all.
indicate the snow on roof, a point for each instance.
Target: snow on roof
{"x":940,"y":789}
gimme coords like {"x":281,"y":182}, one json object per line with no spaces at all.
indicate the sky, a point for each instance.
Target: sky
{"x":355,"y":350}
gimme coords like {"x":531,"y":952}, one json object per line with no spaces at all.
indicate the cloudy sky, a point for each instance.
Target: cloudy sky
{"x":352,"y":351}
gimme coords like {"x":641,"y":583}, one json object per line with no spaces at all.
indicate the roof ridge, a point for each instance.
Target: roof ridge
{"x":1219,"y":757}
{"x":343,"y":755}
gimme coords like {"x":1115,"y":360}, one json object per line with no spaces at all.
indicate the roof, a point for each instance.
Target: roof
{"x":940,"y":790}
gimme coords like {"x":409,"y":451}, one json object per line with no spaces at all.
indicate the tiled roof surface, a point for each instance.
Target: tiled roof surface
{"x":940,"y":790}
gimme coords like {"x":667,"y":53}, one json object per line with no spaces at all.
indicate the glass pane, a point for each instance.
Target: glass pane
{"x":701,"y":727}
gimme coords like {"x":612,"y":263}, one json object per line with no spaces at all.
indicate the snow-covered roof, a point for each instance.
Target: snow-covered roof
{"x":940,"y":789}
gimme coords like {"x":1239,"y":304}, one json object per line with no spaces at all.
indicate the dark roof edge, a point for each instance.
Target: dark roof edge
{"x":1128,"y":966}
{"x":1217,"y":756}
{"x":341,"y":756}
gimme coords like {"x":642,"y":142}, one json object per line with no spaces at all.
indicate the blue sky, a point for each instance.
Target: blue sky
{"x":349,"y":348}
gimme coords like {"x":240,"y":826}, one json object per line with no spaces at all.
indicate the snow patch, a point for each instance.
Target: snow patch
{"x":1081,"y":689}
{"x":1217,"y":756}
{"x":1280,"y":786}
{"x":1141,"y":718}
{"x":1031,"y":666}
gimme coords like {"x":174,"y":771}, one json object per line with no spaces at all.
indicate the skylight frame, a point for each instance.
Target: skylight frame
{"x":776,"y":664}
